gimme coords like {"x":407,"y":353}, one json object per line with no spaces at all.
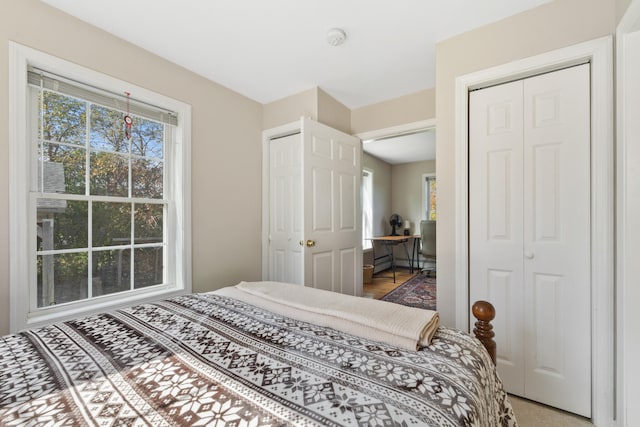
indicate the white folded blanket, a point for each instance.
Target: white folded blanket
{"x":394,"y":324}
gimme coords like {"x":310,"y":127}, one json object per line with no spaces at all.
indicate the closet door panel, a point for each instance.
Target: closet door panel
{"x":557,"y":239}
{"x":495,"y":224}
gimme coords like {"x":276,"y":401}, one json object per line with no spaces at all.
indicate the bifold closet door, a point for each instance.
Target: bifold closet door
{"x":529,"y":210}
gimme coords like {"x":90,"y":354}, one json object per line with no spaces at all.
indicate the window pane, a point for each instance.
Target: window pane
{"x":61,"y":278}
{"x":147,"y":178}
{"x":148,"y":223}
{"x":61,"y":224}
{"x":109,"y":174}
{"x":111,"y":224}
{"x":111,"y":271}
{"x":63,"y":118}
{"x":148,"y":267}
{"x":432,"y":199}
{"x":147,"y":138}
{"x":108,"y":130}
{"x":64,"y":169}
{"x":367,"y":209}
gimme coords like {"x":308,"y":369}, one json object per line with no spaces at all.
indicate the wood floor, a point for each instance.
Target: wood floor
{"x":382,"y":282}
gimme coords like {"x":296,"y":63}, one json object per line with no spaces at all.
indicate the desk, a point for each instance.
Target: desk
{"x":391,"y":241}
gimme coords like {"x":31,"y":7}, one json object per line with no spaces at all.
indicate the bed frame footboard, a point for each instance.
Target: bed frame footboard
{"x":484,"y":312}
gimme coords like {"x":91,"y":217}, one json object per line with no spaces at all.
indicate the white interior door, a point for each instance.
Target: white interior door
{"x":285,"y":217}
{"x":530,"y":231}
{"x":332,"y":210}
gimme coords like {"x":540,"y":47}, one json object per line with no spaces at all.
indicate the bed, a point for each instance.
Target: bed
{"x":243,"y":356}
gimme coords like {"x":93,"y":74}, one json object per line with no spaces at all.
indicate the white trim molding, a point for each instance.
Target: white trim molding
{"x":627,"y":209}
{"x":397,"y":130}
{"x":599,"y":53}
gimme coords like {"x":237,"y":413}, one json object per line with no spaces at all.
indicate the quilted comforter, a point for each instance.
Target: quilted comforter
{"x":206,"y":359}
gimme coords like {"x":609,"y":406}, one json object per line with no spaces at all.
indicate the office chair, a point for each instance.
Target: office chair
{"x":428,"y":244}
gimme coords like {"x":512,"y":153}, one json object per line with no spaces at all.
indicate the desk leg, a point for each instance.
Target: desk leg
{"x":413,"y":250}
{"x":389,"y":253}
{"x":393,"y":262}
{"x":415,"y":254}
{"x":406,"y":252}
{"x":373,"y":253}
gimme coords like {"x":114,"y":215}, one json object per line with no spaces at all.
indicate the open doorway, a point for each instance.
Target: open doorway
{"x":395,"y":164}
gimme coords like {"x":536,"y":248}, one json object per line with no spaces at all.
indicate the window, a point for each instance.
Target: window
{"x":104,"y":200}
{"x":367,"y":208}
{"x":429,"y":200}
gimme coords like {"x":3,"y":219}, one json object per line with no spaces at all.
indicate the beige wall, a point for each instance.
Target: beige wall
{"x":333,"y":113}
{"x":410,"y":108}
{"x":320,"y":106}
{"x":314,"y":103}
{"x":226,"y":134}
{"x":407,"y":189}
{"x":548,"y":27}
{"x":621,"y":8}
{"x":290,"y":109}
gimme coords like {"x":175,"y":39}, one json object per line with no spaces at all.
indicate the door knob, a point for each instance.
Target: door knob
{"x":311,"y":243}
{"x":528,"y":255}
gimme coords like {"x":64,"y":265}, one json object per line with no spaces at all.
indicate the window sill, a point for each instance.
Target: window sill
{"x":69,"y":311}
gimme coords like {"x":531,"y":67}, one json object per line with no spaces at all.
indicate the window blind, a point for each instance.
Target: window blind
{"x":40,"y":78}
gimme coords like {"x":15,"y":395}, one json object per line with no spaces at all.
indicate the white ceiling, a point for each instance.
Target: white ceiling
{"x":270,"y":49}
{"x":410,"y":148}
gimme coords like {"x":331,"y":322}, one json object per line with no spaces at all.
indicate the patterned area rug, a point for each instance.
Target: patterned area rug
{"x":419,"y":291}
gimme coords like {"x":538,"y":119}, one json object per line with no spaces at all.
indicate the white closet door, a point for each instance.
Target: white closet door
{"x":285,"y":227}
{"x":557,"y":239}
{"x":495,"y":219}
{"x":530,"y":231}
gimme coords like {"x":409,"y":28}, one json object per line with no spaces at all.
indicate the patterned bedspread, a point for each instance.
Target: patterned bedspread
{"x":210,"y":360}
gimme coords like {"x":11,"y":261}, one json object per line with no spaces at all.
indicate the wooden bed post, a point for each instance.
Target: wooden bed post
{"x":485,"y":313}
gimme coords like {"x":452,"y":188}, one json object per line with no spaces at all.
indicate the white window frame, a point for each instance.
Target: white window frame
{"x":22,"y":229}
{"x":425,"y":198}
{"x":367,"y":232}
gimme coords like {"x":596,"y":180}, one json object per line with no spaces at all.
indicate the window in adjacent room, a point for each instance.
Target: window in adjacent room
{"x":367,"y":208}
{"x":103,"y":200}
{"x":429,"y":199}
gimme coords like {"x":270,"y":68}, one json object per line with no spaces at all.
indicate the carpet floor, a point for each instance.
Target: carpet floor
{"x":419,"y":291}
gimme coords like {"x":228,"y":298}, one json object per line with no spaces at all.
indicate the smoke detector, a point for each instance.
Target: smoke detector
{"x":336,"y":36}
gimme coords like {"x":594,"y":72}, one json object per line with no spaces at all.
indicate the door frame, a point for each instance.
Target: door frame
{"x":393,"y":131}
{"x":599,"y":53}
{"x":398,"y":130}
{"x":628,"y":207}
